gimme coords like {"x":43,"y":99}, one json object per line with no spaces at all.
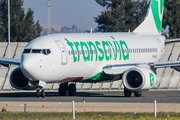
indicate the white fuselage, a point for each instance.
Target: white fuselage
{"x":78,"y":57}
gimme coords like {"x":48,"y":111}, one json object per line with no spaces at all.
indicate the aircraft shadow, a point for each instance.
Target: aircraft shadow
{"x":55,"y":94}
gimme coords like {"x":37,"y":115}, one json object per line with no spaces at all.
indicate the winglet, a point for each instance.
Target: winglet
{"x":154,"y":18}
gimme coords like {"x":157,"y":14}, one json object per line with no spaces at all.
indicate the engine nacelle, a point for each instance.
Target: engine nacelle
{"x":19,"y":81}
{"x":139,"y":78}
{"x":177,"y":68}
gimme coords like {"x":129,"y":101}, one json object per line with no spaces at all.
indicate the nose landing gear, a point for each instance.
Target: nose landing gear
{"x":40,"y":92}
{"x":40,"y":85}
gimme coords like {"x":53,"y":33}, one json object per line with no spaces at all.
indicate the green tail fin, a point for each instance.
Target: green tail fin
{"x":153,"y":21}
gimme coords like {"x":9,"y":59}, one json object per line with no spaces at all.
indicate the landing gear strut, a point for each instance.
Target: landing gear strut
{"x":40,"y":92}
{"x":63,"y":87}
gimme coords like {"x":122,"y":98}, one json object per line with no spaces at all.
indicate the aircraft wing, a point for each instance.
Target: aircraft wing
{"x":117,"y":69}
{"x":9,"y":61}
{"x":165,"y":64}
{"x":120,"y":69}
{"x":172,"y":40}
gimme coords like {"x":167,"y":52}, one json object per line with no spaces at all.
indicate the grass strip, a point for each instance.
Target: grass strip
{"x":88,"y":116}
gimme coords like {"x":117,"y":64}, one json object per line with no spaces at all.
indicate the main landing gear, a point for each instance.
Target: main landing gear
{"x":127,"y":93}
{"x":63,"y":87}
{"x":40,"y":92}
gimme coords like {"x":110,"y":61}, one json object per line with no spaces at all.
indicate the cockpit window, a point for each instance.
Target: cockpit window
{"x":40,"y":51}
{"x":36,"y":51}
{"x":46,"y":51}
{"x":27,"y":51}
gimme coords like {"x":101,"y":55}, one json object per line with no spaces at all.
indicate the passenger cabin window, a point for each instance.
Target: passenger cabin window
{"x":27,"y":51}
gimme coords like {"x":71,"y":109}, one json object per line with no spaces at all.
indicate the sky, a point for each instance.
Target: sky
{"x":66,"y":12}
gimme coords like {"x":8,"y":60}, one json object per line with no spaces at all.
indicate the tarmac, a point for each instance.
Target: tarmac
{"x":98,"y":101}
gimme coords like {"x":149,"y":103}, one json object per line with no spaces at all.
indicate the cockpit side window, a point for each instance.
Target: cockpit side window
{"x":46,"y":51}
{"x":27,"y":51}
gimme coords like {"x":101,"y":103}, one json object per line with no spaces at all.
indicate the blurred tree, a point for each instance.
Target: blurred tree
{"x":112,"y":18}
{"x":172,"y":18}
{"x":141,"y":7}
{"x":120,"y":15}
{"x":23,"y":28}
{"x":74,"y":28}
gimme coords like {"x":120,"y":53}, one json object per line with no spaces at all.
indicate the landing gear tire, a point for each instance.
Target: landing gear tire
{"x":138,"y":93}
{"x":127,"y":93}
{"x":72,"y":90}
{"x":37,"y":93}
{"x":62,"y":90}
{"x":43,"y":93}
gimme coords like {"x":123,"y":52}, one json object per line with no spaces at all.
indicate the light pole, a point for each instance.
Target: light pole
{"x":49,"y":18}
{"x":9,"y":26}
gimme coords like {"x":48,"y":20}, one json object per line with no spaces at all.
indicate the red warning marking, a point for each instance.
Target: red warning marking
{"x":42,"y":106}
{"x":84,"y":110}
{"x":154,"y":96}
{"x":72,"y":79}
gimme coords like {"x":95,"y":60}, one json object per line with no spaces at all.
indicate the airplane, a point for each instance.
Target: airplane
{"x":132,"y":57}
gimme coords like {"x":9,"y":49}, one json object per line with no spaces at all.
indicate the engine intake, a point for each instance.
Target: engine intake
{"x":19,"y":81}
{"x":139,"y":78}
{"x":134,"y":79}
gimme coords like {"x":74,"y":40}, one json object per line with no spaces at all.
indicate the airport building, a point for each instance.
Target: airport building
{"x":167,"y":78}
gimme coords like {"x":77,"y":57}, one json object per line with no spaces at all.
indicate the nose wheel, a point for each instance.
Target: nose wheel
{"x":40,"y":92}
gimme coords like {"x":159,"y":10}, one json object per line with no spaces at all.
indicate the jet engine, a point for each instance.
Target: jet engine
{"x":139,"y":78}
{"x":19,"y":81}
{"x":177,"y":68}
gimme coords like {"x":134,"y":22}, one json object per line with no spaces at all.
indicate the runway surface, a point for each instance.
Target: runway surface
{"x":162,"y":96}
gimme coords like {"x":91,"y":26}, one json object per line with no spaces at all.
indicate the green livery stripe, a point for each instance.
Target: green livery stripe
{"x":157,"y":7}
{"x":99,"y":78}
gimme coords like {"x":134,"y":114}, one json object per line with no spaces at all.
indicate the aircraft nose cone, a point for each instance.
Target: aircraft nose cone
{"x":28,"y":67}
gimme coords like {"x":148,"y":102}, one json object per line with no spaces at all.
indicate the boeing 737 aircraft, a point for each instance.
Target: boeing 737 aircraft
{"x":132,"y":57}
